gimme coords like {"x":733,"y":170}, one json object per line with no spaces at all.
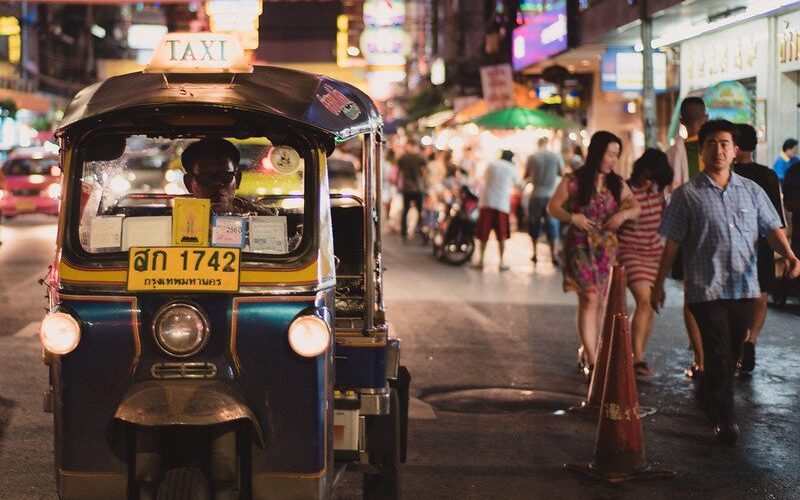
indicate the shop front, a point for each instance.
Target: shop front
{"x":730,"y":70}
{"x":786,"y":52}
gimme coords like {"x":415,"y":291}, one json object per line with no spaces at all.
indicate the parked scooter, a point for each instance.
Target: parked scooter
{"x":454,"y":235}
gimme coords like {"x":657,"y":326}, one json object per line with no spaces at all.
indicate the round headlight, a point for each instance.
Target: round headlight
{"x":180,"y":329}
{"x":309,"y":336}
{"x":59,"y":333}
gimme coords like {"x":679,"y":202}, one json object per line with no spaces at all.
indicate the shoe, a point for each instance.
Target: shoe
{"x":503,"y":267}
{"x":588,"y":370}
{"x":581,"y":362}
{"x":726,"y":433}
{"x":748,"y":360}
{"x":642,"y":370}
{"x":556,"y":263}
{"x":476,"y":265}
{"x":693,"y":372}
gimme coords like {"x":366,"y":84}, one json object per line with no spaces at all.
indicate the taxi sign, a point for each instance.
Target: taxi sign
{"x":199,"y":53}
{"x":165,"y":269}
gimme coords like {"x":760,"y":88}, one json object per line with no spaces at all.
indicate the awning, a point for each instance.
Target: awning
{"x":522,"y":97}
{"x":27,"y":100}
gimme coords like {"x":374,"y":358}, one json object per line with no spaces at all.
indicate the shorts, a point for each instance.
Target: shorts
{"x":489,"y":219}
{"x":676,"y":272}
{"x":765,"y":266}
{"x":537,"y":212}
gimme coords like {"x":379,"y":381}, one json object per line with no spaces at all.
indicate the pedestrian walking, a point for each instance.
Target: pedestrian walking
{"x":786,"y":157}
{"x":640,"y":246}
{"x":684,"y":158}
{"x":412,"y":167}
{"x":716,"y":218}
{"x":768,"y":180}
{"x":595,"y":201}
{"x":791,"y":194}
{"x":543,"y":169}
{"x":500,"y":178}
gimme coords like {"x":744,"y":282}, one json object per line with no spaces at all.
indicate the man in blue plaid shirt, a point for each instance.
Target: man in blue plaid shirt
{"x":716,"y":218}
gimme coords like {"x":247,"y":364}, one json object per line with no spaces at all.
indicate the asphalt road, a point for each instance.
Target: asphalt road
{"x":492,"y":356}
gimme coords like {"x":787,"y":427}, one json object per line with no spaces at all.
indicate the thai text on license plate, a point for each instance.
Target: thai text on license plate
{"x":160,"y":269}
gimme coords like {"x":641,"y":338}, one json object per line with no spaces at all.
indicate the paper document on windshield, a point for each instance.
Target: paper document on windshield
{"x":105,"y":233}
{"x":268,"y":234}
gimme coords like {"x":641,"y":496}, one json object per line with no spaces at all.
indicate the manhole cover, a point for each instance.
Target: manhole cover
{"x":501,"y":400}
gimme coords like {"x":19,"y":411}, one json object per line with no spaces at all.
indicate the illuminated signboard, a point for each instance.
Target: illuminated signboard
{"x":199,"y":53}
{"x":544,"y":35}
{"x":622,"y":70}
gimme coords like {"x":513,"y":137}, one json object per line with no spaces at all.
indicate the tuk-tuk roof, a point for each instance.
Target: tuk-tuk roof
{"x":332,"y":107}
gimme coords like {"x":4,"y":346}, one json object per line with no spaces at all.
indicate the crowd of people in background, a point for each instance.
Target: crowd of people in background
{"x":703,"y":213}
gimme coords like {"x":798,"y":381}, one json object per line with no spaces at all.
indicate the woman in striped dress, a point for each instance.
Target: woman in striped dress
{"x":640,"y":245}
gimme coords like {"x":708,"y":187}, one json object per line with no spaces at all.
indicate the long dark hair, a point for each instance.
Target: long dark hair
{"x":586,"y":174}
{"x":653,"y":165}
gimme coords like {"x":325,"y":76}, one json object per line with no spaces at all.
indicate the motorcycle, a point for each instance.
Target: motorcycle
{"x":454,"y":234}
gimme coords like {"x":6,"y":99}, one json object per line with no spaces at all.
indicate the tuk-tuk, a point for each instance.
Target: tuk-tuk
{"x":194,"y":354}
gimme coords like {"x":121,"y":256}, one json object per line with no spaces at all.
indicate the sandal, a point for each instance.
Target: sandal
{"x":642,"y":370}
{"x":693,"y":372}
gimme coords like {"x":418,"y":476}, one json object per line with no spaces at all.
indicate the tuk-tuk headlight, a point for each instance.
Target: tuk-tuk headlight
{"x":309,"y":336}
{"x":59,"y":333}
{"x":180,"y":329}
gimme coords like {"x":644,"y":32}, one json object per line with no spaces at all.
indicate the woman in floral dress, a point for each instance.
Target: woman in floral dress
{"x":595,"y":201}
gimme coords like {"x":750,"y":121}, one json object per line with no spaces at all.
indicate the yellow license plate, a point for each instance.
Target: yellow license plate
{"x":26,"y":206}
{"x":164,"y":269}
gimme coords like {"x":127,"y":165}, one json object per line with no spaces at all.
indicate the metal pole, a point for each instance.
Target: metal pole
{"x":648,"y":91}
{"x":378,"y":219}
{"x":368,"y":165}
{"x":23,"y":38}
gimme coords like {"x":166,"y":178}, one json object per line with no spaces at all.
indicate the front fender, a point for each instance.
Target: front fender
{"x":164,"y":403}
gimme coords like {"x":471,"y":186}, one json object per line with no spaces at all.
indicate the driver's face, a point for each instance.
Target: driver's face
{"x":215,"y":179}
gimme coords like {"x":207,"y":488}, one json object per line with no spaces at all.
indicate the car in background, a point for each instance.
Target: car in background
{"x":31,"y":183}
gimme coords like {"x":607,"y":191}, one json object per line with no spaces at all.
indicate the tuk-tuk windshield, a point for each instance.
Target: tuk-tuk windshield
{"x":147,"y":197}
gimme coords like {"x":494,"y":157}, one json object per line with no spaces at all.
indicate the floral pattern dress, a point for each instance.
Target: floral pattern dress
{"x":590,"y":255}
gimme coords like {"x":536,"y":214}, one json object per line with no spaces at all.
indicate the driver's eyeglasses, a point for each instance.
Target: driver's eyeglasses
{"x":214,"y":177}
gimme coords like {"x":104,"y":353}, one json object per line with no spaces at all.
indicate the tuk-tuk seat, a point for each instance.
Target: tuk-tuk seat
{"x":347,"y":219}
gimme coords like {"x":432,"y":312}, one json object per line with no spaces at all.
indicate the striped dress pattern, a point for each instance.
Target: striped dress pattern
{"x":639,"y":242}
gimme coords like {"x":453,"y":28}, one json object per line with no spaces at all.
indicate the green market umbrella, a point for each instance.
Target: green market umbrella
{"x":513,"y":118}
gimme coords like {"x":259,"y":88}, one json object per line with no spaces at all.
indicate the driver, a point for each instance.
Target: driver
{"x":212,"y":171}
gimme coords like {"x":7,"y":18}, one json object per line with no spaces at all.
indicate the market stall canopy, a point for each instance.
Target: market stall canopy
{"x":514,"y":118}
{"x":522,"y":98}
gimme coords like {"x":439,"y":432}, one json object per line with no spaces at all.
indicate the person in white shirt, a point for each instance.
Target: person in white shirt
{"x":500,"y":178}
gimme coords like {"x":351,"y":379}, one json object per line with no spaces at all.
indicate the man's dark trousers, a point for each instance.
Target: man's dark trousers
{"x":723,"y":327}
{"x":416,"y":197}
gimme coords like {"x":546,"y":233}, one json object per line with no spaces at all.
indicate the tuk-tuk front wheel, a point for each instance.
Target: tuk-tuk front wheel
{"x":383,"y":445}
{"x":184,"y":483}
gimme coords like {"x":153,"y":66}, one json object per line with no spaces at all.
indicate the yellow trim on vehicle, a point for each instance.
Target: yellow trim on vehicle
{"x":308,"y":275}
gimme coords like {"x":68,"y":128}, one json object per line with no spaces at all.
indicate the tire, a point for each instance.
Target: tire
{"x":464,"y":248}
{"x":184,"y":483}
{"x":383,"y":445}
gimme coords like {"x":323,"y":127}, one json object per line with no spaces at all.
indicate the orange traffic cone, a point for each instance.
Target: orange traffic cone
{"x":616,"y":303}
{"x":619,"y":448}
